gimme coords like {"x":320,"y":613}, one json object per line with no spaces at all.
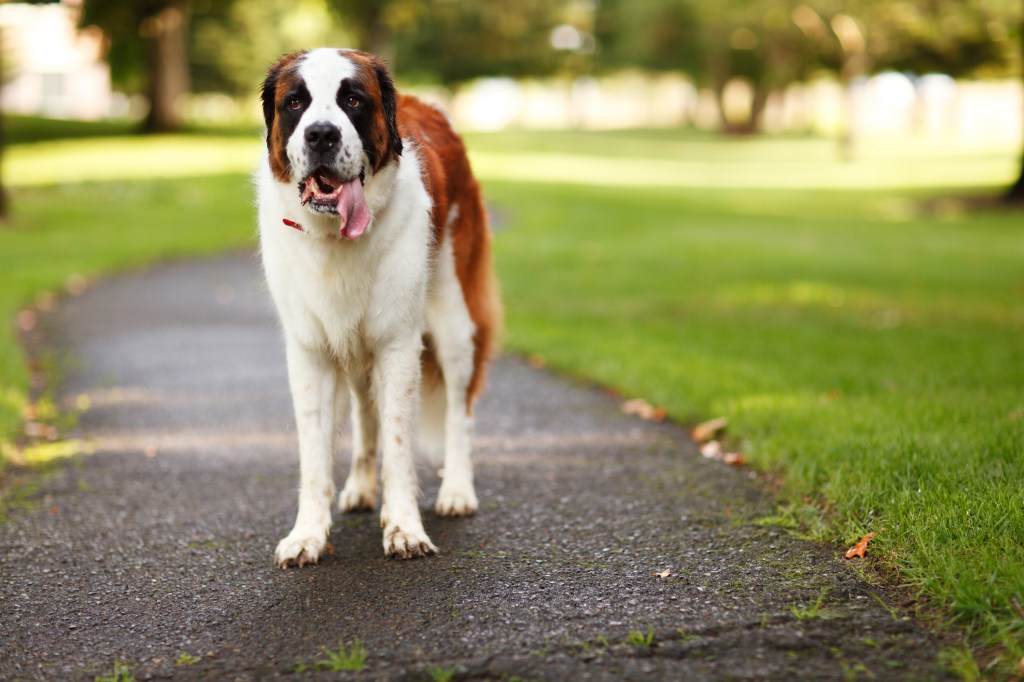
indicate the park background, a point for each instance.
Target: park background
{"x":801,"y":216}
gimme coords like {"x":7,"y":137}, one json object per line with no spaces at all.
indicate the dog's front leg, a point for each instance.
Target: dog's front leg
{"x":313,"y":379}
{"x":396,"y":375}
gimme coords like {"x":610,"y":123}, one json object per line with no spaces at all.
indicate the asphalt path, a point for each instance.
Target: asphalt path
{"x":605,"y":547}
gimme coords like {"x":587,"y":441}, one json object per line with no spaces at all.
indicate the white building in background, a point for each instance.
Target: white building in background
{"x":50,"y":68}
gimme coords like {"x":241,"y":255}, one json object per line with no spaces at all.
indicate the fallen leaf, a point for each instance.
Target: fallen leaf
{"x":35,"y":429}
{"x":663,"y":574}
{"x":76,"y":285}
{"x":643,"y":409}
{"x":705,"y":431}
{"x":734,"y":459}
{"x":27,"y":319}
{"x":860,"y":548}
{"x":46,"y":301}
{"x":712,"y":449}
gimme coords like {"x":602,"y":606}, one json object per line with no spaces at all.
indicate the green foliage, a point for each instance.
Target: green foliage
{"x":809,"y":611}
{"x":439,"y":674}
{"x":353,"y":658}
{"x":187,"y":659}
{"x":641,"y":639}
{"x":121,"y":673}
{"x":234,"y":43}
{"x":452,"y":42}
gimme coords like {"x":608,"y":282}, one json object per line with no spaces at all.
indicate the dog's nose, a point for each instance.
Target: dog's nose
{"x":321,"y":137}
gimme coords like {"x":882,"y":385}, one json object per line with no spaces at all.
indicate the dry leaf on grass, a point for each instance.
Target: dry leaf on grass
{"x":643,"y":409}
{"x":663,"y":574}
{"x":860,"y":548}
{"x":705,"y":431}
{"x":734,"y":459}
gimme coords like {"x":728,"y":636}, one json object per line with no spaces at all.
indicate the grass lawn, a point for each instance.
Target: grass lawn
{"x":864,"y":341}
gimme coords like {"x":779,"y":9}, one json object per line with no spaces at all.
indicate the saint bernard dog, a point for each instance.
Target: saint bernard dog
{"x":377,"y":253}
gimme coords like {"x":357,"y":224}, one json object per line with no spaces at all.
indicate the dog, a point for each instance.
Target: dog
{"x":377,"y":254}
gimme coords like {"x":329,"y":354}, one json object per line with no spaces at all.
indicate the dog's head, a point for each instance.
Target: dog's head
{"x":331,"y":123}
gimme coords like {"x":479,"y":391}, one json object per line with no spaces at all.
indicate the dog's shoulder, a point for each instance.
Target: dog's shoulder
{"x":444,"y":164}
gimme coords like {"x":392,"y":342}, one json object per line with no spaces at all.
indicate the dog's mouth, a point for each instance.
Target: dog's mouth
{"x":323,"y":191}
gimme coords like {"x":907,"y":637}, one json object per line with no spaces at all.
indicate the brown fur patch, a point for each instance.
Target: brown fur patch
{"x":450,"y":180}
{"x":284,"y":73}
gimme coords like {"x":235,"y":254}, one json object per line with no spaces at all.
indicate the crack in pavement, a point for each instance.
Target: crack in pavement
{"x":161,"y":543}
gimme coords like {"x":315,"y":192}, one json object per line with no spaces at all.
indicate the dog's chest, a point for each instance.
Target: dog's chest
{"x":347,"y":299}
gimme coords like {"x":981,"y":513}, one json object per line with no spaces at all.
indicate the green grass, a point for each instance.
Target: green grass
{"x":122,"y":672}
{"x":641,"y":639}
{"x":62,"y":232}
{"x":808,"y":611}
{"x":352,"y":658}
{"x":864,"y":341}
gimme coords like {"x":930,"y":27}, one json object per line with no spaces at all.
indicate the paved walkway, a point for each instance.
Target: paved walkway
{"x":161,"y":543}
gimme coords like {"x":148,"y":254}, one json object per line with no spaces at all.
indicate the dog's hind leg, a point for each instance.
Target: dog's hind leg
{"x":360,"y":491}
{"x":313,"y":380}
{"x":452,"y":333}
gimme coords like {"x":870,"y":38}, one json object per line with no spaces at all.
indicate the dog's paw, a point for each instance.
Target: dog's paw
{"x":456,"y":500}
{"x":301,"y":547}
{"x":407,"y":544}
{"x":357,"y":499}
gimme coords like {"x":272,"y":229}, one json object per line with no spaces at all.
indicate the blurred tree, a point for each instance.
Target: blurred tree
{"x":449,"y":41}
{"x":773,"y":43}
{"x":4,"y":203}
{"x":374,"y":23}
{"x":715,"y":41}
{"x":233,"y":43}
{"x":955,"y":37}
{"x":153,"y":35}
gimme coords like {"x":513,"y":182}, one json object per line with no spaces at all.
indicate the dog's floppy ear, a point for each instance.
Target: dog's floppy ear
{"x":269,"y":91}
{"x":389,"y":101}
{"x":268,"y":96}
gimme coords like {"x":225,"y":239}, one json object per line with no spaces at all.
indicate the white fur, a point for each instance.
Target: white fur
{"x":323,"y":71}
{"x":353,"y":315}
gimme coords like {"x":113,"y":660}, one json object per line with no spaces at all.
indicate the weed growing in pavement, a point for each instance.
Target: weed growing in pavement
{"x":122,"y":673}
{"x":439,"y":674}
{"x":810,"y":611}
{"x":353,"y":658}
{"x":637,"y":638}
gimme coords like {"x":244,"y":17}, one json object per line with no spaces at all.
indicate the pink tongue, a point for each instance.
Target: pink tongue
{"x":355,"y":214}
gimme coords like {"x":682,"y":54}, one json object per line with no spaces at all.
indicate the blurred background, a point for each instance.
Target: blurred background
{"x":947,"y":68}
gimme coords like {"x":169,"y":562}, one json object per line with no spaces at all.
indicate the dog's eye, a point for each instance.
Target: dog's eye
{"x":352,"y":102}
{"x":294,"y":103}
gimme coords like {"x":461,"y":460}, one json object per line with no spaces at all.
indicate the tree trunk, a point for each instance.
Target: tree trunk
{"x":4,"y":205}
{"x":1016,"y":193}
{"x":167,"y":66}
